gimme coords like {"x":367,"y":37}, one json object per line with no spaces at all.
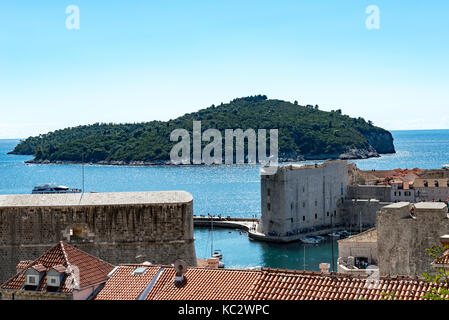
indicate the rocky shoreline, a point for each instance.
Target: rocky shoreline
{"x":351,"y":154}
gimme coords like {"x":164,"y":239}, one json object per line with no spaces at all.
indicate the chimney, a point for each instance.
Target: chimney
{"x":181,"y":268}
{"x":324,"y":267}
{"x":212,"y":263}
{"x":444,"y":240}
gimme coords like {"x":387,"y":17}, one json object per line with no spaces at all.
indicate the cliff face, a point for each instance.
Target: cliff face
{"x":381,"y":141}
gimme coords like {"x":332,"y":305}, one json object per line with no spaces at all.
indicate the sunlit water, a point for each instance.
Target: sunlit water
{"x":227,"y":190}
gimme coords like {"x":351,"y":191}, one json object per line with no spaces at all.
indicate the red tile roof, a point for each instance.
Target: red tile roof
{"x":24,"y":264}
{"x":124,"y":285}
{"x":444,"y":259}
{"x":264,"y":284}
{"x":296,"y":285}
{"x":204,"y":284}
{"x":82,"y":269}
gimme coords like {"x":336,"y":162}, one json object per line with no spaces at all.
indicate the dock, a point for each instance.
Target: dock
{"x":249,"y":225}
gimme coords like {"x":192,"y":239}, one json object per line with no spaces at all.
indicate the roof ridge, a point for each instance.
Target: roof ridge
{"x":66,"y":258}
{"x":32,"y":263}
{"x":86,"y":253}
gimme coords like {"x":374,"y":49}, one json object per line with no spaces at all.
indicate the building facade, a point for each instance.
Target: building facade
{"x":431,"y":190}
{"x":116,"y":227}
{"x":404,"y":232}
{"x":358,"y":254}
{"x":300,"y":197}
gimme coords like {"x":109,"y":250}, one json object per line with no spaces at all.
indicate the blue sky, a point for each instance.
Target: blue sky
{"x":134,"y":61}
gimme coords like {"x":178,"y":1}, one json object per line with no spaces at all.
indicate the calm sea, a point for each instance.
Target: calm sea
{"x":227,"y":190}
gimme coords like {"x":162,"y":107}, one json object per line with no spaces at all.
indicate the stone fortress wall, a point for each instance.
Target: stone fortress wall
{"x":298,"y":197}
{"x":124,"y":227}
{"x":404,"y":235}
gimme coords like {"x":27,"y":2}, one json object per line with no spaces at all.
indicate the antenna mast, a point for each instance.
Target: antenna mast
{"x":332,"y":242}
{"x":82,"y":169}
{"x":212,"y":236}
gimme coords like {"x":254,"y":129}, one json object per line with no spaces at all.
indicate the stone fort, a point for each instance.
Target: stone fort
{"x":123,"y":227}
{"x":297,"y":197}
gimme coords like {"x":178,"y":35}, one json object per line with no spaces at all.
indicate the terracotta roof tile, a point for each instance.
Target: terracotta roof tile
{"x":124,"y":284}
{"x":82,"y":269}
{"x":444,"y":259}
{"x":264,"y":284}
{"x":24,"y":264}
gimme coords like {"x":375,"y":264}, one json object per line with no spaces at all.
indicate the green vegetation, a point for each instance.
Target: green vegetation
{"x":440,"y":279}
{"x":304,"y":131}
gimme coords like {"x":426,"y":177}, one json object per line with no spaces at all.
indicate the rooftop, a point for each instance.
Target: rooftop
{"x":430,"y":205}
{"x":94,"y":199}
{"x":81,"y":269}
{"x":444,"y":259}
{"x":366,"y":236}
{"x":265,"y":284}
{"x":311,"y":166}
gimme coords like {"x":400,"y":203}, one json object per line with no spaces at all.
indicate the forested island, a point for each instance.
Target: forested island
{"x":305,"y":132}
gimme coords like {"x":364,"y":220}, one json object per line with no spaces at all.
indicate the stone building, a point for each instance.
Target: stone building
{"x":404,"y":232}
{"x":360,"y":214}
{"x":402,"y":191}
{"x":382,"y":193}
{"x":299,"y":197}
{"x":61,"y":273}
{"x":431,"y":189}
{"x":358,"y":254}
{"x":116,"y":227}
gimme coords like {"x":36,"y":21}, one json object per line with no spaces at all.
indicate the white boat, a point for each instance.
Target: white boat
{"x":309,"y":240}
{"x":334,"y":235}
{"x":344,"y":233}
{"x":53,"y":188}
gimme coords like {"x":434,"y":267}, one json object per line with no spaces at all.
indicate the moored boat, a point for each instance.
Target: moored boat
{"x":53,"y":188}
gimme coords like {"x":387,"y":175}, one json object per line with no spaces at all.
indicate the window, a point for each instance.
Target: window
{"x":268,"y":192}
{"x":291,"y":206}
{"x":316,"y":216}
{"x":139,"y":271}
{"x":328,"y":213}
{"x":53,"y":281}
{"x":31,"y":280}
{"x":316,"y":203}
{"x":303,"y":204}
{"x":268,"y":206}
{"x":303,"y":218}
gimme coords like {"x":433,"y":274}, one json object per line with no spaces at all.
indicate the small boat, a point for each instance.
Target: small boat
{"x":219,"y":255}
{"x":334,"y":235}
{"x":53,"y":188}
{"x":344,"y":233}
{"x":309,"y":240}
